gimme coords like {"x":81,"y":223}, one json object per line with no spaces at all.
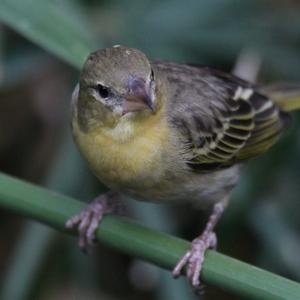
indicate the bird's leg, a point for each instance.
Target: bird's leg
{"x":88,"y":220}
{"x":194,"y":257}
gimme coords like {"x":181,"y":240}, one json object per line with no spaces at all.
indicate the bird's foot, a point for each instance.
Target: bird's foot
{"x":88,"y":220}
{"x":194,"y":257}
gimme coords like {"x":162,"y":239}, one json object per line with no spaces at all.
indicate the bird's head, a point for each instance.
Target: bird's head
{"x":115,"y":82}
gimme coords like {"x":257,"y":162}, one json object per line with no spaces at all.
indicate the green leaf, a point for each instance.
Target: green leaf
{"x":53,"y":25}
{"x":153,"y":246}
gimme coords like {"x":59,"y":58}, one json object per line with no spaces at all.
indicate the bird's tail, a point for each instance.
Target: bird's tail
{"x":286,"y":95}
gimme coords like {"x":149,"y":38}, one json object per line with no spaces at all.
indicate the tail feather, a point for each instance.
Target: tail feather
{"x":286,"y":95}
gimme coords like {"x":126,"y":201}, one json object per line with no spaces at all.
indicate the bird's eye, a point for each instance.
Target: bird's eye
{"x":103,"y":91}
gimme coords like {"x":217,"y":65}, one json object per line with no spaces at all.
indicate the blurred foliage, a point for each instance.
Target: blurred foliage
{"x":51,"y":24}
{"x":261,"y":224}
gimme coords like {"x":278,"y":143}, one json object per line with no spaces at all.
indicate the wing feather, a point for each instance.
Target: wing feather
{"x":225,"y":119}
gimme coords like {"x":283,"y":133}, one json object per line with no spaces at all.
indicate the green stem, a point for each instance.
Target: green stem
{"x":155,"y":247}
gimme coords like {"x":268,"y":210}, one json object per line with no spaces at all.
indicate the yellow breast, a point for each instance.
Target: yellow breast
{"x":127,"y":155}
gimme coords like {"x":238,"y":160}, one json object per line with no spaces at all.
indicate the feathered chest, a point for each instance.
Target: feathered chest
{"x":127,"y":154}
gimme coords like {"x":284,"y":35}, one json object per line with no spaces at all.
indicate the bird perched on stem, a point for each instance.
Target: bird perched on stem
{"x":167,"y":132}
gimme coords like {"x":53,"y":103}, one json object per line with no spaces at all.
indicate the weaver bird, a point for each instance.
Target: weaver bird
{"x":168,"y":132}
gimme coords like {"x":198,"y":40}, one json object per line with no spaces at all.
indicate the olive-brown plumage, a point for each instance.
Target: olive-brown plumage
{"x":161,"y":131}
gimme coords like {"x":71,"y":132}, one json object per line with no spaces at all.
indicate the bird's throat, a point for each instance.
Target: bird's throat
{"x":123,"y":153}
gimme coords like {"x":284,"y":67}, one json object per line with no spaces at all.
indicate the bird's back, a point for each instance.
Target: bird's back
{"x":223,"y":119}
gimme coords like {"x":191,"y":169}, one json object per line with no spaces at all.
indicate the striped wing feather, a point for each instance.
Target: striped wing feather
{"x":227,"y":120}
{"x":252,"y":125}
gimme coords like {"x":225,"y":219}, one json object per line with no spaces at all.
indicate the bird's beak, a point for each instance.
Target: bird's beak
{"x":138,"y":97}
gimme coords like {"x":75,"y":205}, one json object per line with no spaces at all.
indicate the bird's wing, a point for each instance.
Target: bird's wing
{"x":224,"y":119}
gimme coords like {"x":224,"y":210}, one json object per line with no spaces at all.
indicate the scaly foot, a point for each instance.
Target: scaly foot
{"x":193,"y":258}
{"x":88,"y":220}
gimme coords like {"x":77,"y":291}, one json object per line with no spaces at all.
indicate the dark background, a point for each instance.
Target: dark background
{"x":261,"y":225}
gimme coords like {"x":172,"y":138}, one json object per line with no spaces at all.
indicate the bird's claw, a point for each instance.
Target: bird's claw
{"x":87,"y":222}
{"x":193,"y":259}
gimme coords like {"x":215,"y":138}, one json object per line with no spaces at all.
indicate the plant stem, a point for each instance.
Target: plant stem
{"x":155,"y":247}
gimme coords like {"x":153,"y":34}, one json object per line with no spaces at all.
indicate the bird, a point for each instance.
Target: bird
{"x":166,"y":132}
